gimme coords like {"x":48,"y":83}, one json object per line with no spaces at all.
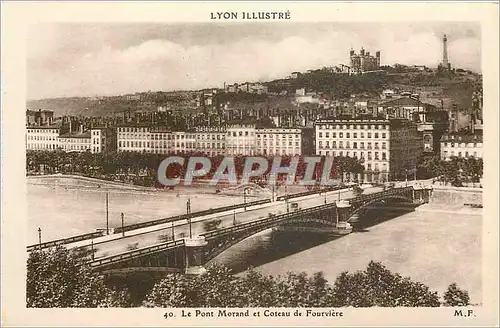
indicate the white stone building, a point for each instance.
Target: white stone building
{"x":461,"y":145}
{"x":388,"y":148}
{"x":278,"y":141}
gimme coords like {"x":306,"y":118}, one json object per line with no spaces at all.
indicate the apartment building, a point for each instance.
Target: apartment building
{"x":278,"y":141}
{"x":76,"y":142}
{"x":183,"y":142}
{"x":42,"y":137}
{"x":241,"y":139}
{"x":388,"y":148}
{"x":133,"y":138}
{"x":461,"y":145}
{"x":211,"y":140}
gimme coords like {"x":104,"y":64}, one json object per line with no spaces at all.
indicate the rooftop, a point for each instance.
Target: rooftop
{"x":76,"y":135}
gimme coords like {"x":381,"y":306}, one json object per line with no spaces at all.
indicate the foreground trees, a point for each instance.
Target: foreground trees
{"x":375,"y":286}
{"x":59,"y":278}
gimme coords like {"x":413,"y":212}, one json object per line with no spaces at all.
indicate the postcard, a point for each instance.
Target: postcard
{"x":257,"y":163}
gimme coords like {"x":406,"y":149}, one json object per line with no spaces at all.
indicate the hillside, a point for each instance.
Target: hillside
{"x":454,"y":88}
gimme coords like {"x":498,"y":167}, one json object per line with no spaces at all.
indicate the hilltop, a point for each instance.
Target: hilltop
{"x":455,"y":87}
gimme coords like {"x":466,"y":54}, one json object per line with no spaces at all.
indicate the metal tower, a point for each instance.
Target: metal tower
{"x":445,"y":51}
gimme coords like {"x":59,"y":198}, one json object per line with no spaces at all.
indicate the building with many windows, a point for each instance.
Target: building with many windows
{"x":183,"y":142}
{"x":42,"y":137}
{"x":240,"y":139}
{"x":461,"y":145}
{"x":133,"y":138}
{"x":278,"y":141}
{"x":211,"y":140}
{"x":388,"y":148}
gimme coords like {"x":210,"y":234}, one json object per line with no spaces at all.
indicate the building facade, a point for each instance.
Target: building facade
{"x":211,"y":141}
{"x":278,"y":141}
{"x":241,"y":139}
{"x":461,"y":145}
{"x":388,"y":148}
{"x":133,"y":138}
{"x":42,"y":137}
{"x":76,"y":142}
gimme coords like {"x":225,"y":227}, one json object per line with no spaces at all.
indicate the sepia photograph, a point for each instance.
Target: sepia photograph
{"x":250,"y":165}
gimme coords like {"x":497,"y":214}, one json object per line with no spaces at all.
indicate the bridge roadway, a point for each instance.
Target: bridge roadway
{"x":115,"y":244}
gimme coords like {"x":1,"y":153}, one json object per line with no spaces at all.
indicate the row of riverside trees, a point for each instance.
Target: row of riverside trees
{"x":457,"y":171}
{"x":60,"y":278}
{"x":118,"y":165}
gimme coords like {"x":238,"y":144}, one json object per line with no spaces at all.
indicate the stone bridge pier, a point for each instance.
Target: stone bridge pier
{"x":193,"y":251}
{"x":343,"y":210}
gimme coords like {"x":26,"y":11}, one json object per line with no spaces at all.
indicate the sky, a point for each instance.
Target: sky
{"x":68,"y":59}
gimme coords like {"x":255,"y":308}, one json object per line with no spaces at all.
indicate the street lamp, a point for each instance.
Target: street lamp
{"x":107,"y":213}
{"x":123,"y":230}
{"x":245,"y":199}
{"x":40,"y":237}
{"x":188,"y":210}
{"x":234,"y":217}
{"x":406,"y":177}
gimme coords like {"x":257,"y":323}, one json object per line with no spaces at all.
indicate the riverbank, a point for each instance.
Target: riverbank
{"x":434,"y":248}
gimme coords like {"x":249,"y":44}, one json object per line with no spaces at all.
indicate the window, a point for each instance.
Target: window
{"x":384,"y":156}
{"x":347,"y":135}
{"x":376,"y":134}
{"x":355,"y":145}
{"x":327,"y":135}
{"x":341,"y":135}
{"x":383,"y":135}
{"x":334,"y":135}
{"x":334,"y":144}
{"x":341,"y":145}
{"x":369,"y":134}
{"x":383,"y":145}
{"x":354,"y":135}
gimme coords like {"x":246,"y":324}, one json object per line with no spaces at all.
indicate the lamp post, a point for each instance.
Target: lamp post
{"x":107,"y":213}
{"x":234,"y":217}
{"x":92,"y":249}
{"x":123,"y":231}
{"x":40,"y":238}
{"x":325,"y":196}
{"x":173,"y":233}
{"x":188,"y":210}
{"x":406,"y":177}
{"x":245,"y":199}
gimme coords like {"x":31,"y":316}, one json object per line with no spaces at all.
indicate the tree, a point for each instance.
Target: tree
{"x":60,"y":278}
{"x":454,"y":296}
{"x":377,"y":286}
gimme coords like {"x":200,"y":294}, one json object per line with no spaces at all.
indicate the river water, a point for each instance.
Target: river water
{"x":435,"y":248}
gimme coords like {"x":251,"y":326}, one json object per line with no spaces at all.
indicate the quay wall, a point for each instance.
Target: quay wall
{"x":456,"y":196}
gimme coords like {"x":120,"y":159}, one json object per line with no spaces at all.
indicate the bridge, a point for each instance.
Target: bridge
{"x":189,"y":254}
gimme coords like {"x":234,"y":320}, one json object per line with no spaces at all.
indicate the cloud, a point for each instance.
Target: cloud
{"x":89,"y":62}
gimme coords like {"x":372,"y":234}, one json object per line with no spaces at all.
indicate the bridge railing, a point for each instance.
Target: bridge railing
{"x":310,"y":192}
{"x":136,"y":252}
{"x":268,"y":221}
{"x":189,"y":216}
{"x":64,"y":241}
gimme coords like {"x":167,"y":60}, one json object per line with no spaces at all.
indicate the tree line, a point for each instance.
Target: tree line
{"x":455,"y":171}
{"x":141,"y":167}
{"x":60,"y":278}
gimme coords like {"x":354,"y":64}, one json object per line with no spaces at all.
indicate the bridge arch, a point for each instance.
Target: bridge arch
{"x":378,"y":200}
{"x":227,"y":243}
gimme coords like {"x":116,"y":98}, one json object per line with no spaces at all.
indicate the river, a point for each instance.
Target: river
{"x":433,"y":247}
